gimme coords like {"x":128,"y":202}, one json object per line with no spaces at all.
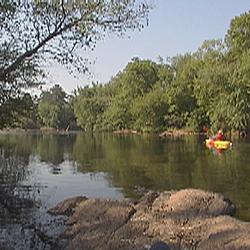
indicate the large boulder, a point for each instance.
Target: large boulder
{"x":186,"y":219}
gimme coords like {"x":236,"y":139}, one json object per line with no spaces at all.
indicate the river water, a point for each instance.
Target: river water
{"x":39,"y":170}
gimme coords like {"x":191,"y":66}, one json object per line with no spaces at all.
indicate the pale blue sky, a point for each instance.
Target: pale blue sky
{"x":175,"y":27}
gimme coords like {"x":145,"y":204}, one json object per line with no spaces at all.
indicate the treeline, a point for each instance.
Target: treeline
{"x":207,"y":88}
{"x":53,"y":109}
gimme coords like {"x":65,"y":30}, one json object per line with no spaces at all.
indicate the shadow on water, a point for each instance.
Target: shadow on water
{"x":39,"y":170}
{"x":23,"y":222}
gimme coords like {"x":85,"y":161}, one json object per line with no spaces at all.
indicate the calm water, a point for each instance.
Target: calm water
{"x":43,"y":169}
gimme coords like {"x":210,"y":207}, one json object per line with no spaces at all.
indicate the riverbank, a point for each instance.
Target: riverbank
{"x":186,"y":219}
{"x":166,"y":133}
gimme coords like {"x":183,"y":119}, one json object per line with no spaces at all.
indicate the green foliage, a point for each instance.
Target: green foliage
{"x":180,"y":93}
{"x":209,"y":88}
{"x":35,"y":32}
{"x":109,"y":107}
{"x":139,"y":77}
{"x":19,"y":112}
{"x":54,"y":110}
{"x":150,"y":111}
{"x":118,"y":114}
{"x":238,"y":35}
{"x":89,"y":106}
{"x":49,"y":113}
{"x":165,"y":75}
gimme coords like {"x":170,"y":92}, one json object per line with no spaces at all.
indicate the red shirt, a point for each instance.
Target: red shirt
{"x":219,"y":136}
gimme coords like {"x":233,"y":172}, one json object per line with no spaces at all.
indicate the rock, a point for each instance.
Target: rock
{"x":193,"y":202}
{"x":185,"y":219}
{"x":67,"y":206}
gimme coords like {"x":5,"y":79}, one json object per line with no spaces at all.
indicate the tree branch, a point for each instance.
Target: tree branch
{"x":30,"y":53}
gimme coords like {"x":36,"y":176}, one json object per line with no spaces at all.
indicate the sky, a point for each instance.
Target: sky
{"x":175,"y":27}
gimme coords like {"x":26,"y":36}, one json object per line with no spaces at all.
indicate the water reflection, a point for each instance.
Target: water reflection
{"x":14,"y":199}
{"x":110,"y":166}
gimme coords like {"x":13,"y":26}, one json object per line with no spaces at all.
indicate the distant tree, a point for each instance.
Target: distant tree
{"x":222,"y":87}
{"x":19,"y":112}
{"x":165,"y":75}
{"x":209,"y":87}
{"x":180,"y":93}
{"x":54,"y":109}
{"x":118,"y":114}
{"x":238,"y":35}
{"x":89,"y":106}
{"x":238,"y":42}
{"x":212,"y":79}
{"x":137,"y":79}
{"x":150,"y":111}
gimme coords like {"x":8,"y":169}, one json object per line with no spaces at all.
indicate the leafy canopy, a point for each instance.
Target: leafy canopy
{"x":33,"y":32}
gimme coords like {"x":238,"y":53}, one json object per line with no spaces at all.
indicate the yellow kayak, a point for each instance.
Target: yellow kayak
{"x":218,"y":144}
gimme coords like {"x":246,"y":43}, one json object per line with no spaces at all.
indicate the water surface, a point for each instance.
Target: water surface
{"x":43,"y":169}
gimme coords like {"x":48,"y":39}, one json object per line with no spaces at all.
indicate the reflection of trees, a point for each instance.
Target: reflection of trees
{"x":50,"y":148}
{"x":165,"y":164}
{"x":137,"y":160}
{"x":16,"y":198}
{"x":13,"y":197}
{"x":22,"y":225}
{"x":55,"y":148}
{"x":129,"y":161}
{"x":88,"y":149}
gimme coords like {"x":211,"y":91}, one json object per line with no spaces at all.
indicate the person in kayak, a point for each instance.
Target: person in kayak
{"x":218,"y":137}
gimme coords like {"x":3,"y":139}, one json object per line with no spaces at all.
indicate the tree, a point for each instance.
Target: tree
{"x":34,"y":30}
{"x":138,"y":77}
{"x":211,"y":84}
{"x":34,"y":33}
{"x":238,"y":42}
{"x":53,"y":108}
{"x":25,"y":115}
{"x":222,"y":86}
{"x":19,"y":112}
{"x":238,"y":35}
{"x":89,"y":106}
{"x":150,"y":111}
{"x":180,"y":92}
{"x":118,"y":113}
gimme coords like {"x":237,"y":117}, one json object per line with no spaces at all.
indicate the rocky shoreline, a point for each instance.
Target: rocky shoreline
{"x":185,"y":219}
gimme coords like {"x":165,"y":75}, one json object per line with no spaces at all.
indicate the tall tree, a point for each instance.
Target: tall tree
{"x":238,"y":35}
{"x":54,"y":109}
{"x":19,"y":112}
{"x":35,"y":30}
{"x":181,"y":97}
{"x":33,"y":33}
{"x":238,"y":41}
{"x":90,"y":104}
{"x":150,"y":111}
{"x":137,"y":79}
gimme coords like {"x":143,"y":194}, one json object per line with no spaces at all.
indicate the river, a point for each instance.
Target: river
{"x":39,"y":170}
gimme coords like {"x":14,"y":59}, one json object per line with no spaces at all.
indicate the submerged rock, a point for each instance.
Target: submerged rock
{"x":186,"y":219}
